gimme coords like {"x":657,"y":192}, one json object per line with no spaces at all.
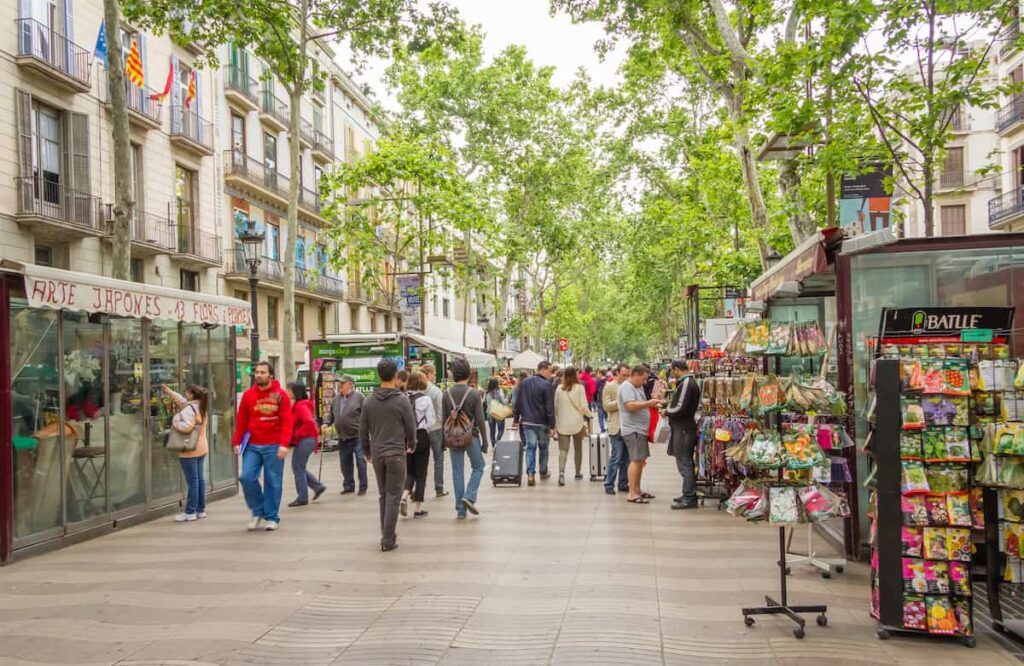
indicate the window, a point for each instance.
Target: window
{"x":321,"y":259}
{"x":138,"y":174}
{"x":318,"y":120}
{"x":953,"y":168}
{"x":184,"y":189}
{"x":275,"y":362}
{"x":273,"y":241}
{"x":270,"y":154}
{"x":138,"y":270}
{"x":318,"y":174}
{"x":387,"y":323}
{"x":300,"y":252}
{"x":447,"y":308}
{"x":954,"y":220}
{"x":300,"y":322}
{"x":353,"y":313}
{"x":433,"y":300}
{"x":44,"y":255}
{"x":238,"y":138}
{"x":189,"y":280}
{"x":271,"y":318}
{"x":241,"y":295}
{"x":373,"y":321}
{"x":321,"y":321}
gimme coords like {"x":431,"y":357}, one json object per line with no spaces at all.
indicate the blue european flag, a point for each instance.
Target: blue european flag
{"x":101,"y":43}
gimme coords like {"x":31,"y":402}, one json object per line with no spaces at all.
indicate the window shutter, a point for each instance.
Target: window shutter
{"x":177,"y":113}
{"x":26,"y":186}
{"x":78,"y":146}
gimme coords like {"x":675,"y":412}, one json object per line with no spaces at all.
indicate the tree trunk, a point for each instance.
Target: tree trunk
{"x":499,"y":311}
{"x":294,"y":166}
{"x":758,"y":211}
{"x":801,"y":225}
{"x":124,"y":190}
{"x":928,"y":175}
{"x":467,"y":291}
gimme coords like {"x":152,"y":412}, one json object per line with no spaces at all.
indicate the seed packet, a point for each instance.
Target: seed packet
{"x":933,"y":381}
{"x":913,"y":478}
{"x":913,"y":576}
{"x":912,"y":542}
{"x":758,"y":510}
{"x":1003,"y":436}
{"x":946,"y":478}
{"x":800,"y":449}
{"x":912,"y":413}
{"x":816,"y":504}
{"x":939,"y":410}
{"x":955,"y":376}
{"x":988,"y":404}
{"x":1011,"y":473}
{"x":915,"y":613}
{"x":764,"y":450}
{"x":936,"y":575}
{"x":914,"y":511}
{"x":962,"y":411}
{"x":1012,"y":508}
{"x":962,"y":611}
{"x":742,"y":499}
{"x":779,"y":334}
{"x":876,"y":603}
{"x":911,"y":375}
{"x":977,"y":508}
{"x":910,"y":444}
{"x":1011,"y":540}
{"x":958,"y":506}
{"x":783,"y":509}
{"x":935,"y":543}
{"x":1001,"y":352}
{"x":959,"y":579}
{"x":988,"y":472}
{"x":937,"y":512}
{"x":769,"y":395}
{"x":958,"y":544}
{"x":941,"y":619}
{"x":958,"y":446}
{"x":934,"y":444}
{"x":756,"y":337}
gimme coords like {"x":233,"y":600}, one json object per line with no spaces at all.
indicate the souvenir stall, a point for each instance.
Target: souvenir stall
{"x":83,"y":419}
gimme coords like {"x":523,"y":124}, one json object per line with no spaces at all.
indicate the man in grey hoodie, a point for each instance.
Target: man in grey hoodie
{"x":387,"y":427}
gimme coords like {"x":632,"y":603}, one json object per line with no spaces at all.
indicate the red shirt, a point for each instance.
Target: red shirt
{"x":266,"y":414}
{"x":589,"y":386}
{"x":303,"y":420}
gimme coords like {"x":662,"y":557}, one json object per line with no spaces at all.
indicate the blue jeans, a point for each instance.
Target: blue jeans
{"x":497,"y":429}
{"x":601,"y":415}
{"x":536,"y":437}
{"x":346,"y":449}
{"x":476,"y":460}
{"x":265,"y":501}
{"x":195,"y":499}
{"x":304,"y":479}
{"x":618,"y":462}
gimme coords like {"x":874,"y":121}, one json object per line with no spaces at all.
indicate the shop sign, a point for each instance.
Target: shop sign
{"x":864,"y":204}
{"x":944,"y":321}
{"x":977,"y":335}
{"x":324,"y":349}
{"x":410,"y":296}
{"x":65,"y":290}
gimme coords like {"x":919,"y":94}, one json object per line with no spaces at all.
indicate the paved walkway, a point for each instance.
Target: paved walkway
{"x":544,"y":575}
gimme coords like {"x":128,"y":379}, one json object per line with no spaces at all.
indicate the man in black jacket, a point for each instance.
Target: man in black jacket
{"x":344,"y":416}
{"x":682,"y":417}
{"x":388,"y":428}
{"x":534,"y":410}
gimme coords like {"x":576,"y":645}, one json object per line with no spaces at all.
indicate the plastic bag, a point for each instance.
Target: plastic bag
{"x":764,"y":450}
{"x":800,"y":449}
{"x":783,"y":508}
{"x":742,"y":499}
{"x":816,"y":505}
{"x":779,"y":336}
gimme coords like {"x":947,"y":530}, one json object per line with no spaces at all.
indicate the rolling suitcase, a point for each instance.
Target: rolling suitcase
{"x":600,"y":448}
{"x":507,"y":465}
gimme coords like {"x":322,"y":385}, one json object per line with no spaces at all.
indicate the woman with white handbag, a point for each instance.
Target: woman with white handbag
{"x":497,"y":409}
{"x":572,"y":417}
{"x":188,"y":438}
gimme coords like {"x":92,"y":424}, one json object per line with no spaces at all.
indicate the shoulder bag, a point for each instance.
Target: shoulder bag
{"x":184,"y":441}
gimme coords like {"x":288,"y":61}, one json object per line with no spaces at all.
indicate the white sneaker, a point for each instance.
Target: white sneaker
{"x":255,"y":523}
{"x":201,"y":514}
{"x":271,"y":525}
{"x":186,"y":517}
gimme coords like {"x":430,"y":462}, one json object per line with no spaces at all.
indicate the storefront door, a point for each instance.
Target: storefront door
{"x":165,"y":471}
{"x":127,"y":403}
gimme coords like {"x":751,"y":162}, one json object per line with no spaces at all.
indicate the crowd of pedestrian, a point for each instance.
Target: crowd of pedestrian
{"x":407,"y":420}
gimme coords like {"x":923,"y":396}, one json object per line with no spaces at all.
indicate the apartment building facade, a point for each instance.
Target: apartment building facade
{"x":1006,"y":209}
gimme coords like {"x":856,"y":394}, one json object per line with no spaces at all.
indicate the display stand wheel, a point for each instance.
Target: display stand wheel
{"x":749,"y":621}
{"x":970,"y":642}
{"x":839,"y":569}
{"x":882,"y":634}
{"x":826,"y":574}
{"x":822,"y":620}
{"x":798,"y":632}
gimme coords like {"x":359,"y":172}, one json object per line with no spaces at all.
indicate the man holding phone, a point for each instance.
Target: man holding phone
{"x":634,"y":421}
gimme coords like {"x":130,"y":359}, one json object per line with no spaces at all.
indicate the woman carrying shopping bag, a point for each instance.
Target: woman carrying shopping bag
{"x":572,"y":415}
{"x":497,"y":408}
{"x":189,"y":439}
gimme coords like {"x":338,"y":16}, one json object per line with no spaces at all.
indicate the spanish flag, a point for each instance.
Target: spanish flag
{"x":133,"y":68}
{"x":191,"y":93}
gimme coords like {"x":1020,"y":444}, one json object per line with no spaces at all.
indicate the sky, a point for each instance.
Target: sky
{"x":550,"y":40}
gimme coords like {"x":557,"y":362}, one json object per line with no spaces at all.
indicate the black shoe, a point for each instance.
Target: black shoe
{"x":442,"y":493}
{"x":610,"y":491}
{"x":545,"y":476}
{"x":421,"y":514}
{"x":298,"y":503}
{"x":348,"y":491}
{"x":679,"y":506}
{"x":385,"y":549}
{"x":470,"y":506}
{"x":318,"y":493}
{"x":624,"y":490}
{"x":362,"y":491}
{"x":678,"y":500}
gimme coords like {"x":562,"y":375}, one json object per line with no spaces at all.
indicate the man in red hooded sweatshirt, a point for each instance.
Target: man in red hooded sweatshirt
{"x":265,"y":413}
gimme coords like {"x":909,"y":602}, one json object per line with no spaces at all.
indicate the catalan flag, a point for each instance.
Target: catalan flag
{"x":191,"y":93}
{"x":133,"y":68}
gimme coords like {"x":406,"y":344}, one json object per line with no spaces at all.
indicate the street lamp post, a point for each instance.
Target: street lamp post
{"x":251,"y":239}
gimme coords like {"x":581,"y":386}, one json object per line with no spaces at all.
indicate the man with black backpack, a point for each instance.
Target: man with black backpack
{"x":465,"y":433}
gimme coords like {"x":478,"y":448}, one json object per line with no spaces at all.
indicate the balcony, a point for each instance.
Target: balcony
{"x":323,"y":147}
{"x":271,"y":272}
{"x":190,"y":131}
{"x":53,"y":56}
{"x":197,"y":248}
{"x":309,"y":202}
{"x":1006,"y":209}
{"x":951,"y":179}
{"x":958,"y":121}
{"x":151,"y":234}
{"x":241,"y":88}
{"x":54,"y":211}
{"x":142,"y":111}
{"x":356,"y":293}
{"x":318,"y":96}
{"x":255,"y":177}
{"x":1010,"y":115}
{"x":274,"y":110}
{"x":305,"y":133}
{"x":1010,"y":38}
